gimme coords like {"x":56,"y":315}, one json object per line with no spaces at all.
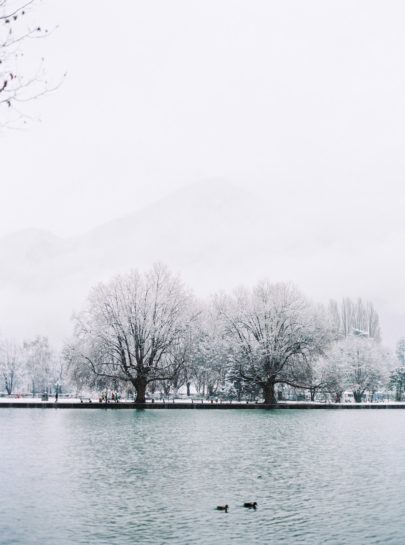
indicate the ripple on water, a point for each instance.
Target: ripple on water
{"x":118,"y":477}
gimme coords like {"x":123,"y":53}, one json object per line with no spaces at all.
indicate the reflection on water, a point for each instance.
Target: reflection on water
{"x":120,"y":477}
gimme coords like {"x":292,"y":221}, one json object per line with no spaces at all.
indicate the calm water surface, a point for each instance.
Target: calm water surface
{"x":154,"y":477}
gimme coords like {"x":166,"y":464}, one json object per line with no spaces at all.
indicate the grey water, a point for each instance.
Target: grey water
{"x":156,"y":477}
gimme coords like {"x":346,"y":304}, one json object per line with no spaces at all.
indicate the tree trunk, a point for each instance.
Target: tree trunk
{"x":166,"y":388}
{"x":269,"y":394}
{"x":312,"y":392}
{"x":140,"y":387}
{"x":8,"y":385}
{"x":239,"y":391}
{"x":357,"y":396}
{"x":188,"y":384}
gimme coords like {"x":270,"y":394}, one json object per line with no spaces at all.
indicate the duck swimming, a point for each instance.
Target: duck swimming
{"x":250,"y":505}
{"x":222,"y":508}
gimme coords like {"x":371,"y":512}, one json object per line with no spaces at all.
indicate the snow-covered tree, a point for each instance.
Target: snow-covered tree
{"x":11,"y":365}
{"x":32,"y":365}
{"x":210,"y":357}
{"x":237,"y":388}
{"x":22,"y":75}
{"x":358,"y":364}
{"x":132,"y":328}
{"x":397,"y":382}
{"x":81,"y":377}
{"x":42,"y":368}
{"x":275,"y":334}
{"x":318,"y":376}
{"x":400,"y":350}
{"x":331,"y":374}
{"x":397,"y":375}
{"x":354,"y":317}
{"x":181,"y":367}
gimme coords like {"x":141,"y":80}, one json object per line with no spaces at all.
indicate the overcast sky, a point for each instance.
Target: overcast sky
{"x":302,"y":103}
{"x":285,"y":97}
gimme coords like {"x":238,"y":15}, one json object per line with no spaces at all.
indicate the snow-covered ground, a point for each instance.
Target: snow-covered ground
{"x":93,"y":399}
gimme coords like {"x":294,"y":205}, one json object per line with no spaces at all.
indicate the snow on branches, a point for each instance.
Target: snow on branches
{"x":22,"y":74}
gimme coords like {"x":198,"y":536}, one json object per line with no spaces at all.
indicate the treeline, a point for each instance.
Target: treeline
{"x":147,"y":333}
{"x":31,"y":366}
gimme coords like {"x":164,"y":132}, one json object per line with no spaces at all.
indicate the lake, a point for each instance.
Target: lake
{"x":155,"y":477}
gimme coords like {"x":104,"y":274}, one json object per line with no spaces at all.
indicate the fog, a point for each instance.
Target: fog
{"x":265,"y":137}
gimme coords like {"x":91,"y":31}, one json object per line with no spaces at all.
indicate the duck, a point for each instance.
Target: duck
{"x":250,"y":505}
{"x":222,"y":508}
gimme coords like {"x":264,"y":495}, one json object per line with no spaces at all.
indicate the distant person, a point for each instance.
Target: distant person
{"x":56,"y":397}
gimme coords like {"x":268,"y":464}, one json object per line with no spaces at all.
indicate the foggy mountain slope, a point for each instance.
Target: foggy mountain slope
{"x":196,"y":224}
{"x":23,"y":255}
{"x":181,"y":226}
{"x":28,"y":246}
{"x":201,"y":232}
{"x":215,"y":235}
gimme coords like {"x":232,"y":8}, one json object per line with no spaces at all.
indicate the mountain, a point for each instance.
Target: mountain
{"x":214,"y":234}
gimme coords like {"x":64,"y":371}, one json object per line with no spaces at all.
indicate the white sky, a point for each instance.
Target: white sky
{"x":301,"y":102}
{"x":286,"y":97}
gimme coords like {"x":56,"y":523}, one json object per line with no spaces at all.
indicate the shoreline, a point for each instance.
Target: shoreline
{"x":199,"y":405}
